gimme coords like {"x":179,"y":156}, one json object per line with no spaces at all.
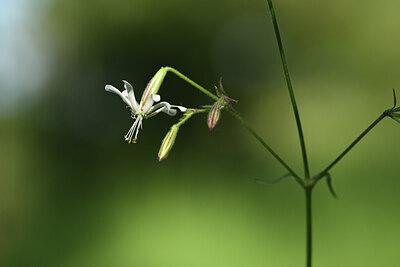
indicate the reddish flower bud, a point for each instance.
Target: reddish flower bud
{"x":214,"y":115}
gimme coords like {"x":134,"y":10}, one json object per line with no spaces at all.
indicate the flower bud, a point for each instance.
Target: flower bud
{"x":167,"y":143}
{"x":214,"y":115}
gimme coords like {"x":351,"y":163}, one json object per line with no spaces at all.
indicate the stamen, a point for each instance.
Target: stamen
{"x":139,"y":126}
{"x":134,"y":130}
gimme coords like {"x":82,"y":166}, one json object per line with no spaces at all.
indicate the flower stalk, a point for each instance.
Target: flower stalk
{"x":237,"y":116}
{"x":169,"y":140}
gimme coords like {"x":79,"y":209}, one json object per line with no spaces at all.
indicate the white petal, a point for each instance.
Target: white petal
{"x":159,"y":105}
{"x":131,"y":95}
{"x":182,"y":109}
{"x":157,"y":108}
{"x":148,"y":105}
{"x":171,"y":112}
{"x":112,"y":89}
{"x":156,"y":98}
{"x":164,"y":107}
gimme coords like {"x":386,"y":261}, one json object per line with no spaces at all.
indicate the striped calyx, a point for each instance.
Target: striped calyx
{"x":214,"y":114}
{"x":168,"y":143}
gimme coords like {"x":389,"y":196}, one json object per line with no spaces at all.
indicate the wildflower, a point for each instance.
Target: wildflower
{"x":145,"y":109}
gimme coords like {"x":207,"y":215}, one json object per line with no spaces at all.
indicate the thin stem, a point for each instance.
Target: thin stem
{"x":333,"y":163}
{"x":239,"y":118}
{"x":265,"y":145}
{"x":188,"y":114}
{"x":199,"y":87}
{"x":308,"y":191}
{"x":290,"y":88}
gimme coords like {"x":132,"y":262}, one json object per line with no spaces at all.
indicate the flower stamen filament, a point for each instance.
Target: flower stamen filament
{"x":134,"y":130}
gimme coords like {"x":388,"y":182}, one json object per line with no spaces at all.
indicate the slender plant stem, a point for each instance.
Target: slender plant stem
{"x":308,"y":191}
{"x":240,"y":119}
{"x":265,"y":145}
{"x":291,"y":92}
{"x":187,"y":79}
{"x":333,"y":163}
{"x":188,"y":114}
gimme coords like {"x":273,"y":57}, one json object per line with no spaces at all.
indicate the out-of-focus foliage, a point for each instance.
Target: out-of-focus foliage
{"x":73,"y":193}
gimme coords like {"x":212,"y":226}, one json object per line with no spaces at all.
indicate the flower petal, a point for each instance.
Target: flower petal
{"x":112,"y":89}
{"x":148,"y":105}
{"x":158,"y":105}
{"x":164,"y":107}
{"x":171,"y":112}
{"x":181,"y":108}
{"x":156,"y":98}
{"x":131,"y":95}
{"x":157,"y":108}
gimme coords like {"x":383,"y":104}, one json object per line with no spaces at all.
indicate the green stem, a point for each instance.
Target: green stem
{"x":199,"y":87}
{"x":265,"y":145}
{"x":333,"y":163}
{"x":188,"y":114}
{"x":308,"y":191}
{"x":239,"y":118}
{"x":290,"y":88}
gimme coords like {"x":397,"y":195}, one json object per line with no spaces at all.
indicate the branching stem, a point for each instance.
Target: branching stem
{"x":333,"y":163}
{"x":265,"y":145}
{"x":307,"y":184}
{"x":240,"y":119}
{"x":291,"y":92}
{"x":188,"y":114}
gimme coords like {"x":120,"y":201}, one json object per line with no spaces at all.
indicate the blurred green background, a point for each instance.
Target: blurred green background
{"x":73,"y":193}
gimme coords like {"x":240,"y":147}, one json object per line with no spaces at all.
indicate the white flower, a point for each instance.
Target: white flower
{"x":145,"y":109}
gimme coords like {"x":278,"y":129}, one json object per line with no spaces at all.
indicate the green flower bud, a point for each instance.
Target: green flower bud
{"x":168,"y":143}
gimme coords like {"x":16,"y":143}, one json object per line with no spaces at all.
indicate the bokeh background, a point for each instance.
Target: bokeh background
{"x":73,"y":193}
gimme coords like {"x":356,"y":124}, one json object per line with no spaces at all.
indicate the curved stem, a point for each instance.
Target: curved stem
{"x":290,"y":88}
{"x":308,"y":191}
{"x":333,"y":163}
